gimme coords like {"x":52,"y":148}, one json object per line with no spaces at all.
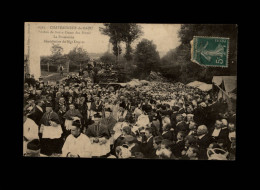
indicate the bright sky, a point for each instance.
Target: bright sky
{"x":163,"y":35}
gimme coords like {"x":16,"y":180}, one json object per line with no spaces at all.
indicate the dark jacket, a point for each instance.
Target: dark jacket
{"x":147,"y":148}
{"x":203,"y":144}
{"x":47,"y":117}
{"x":182,"y":126}
{"x":223,"y":134}
{"x":168,"y":135}
{"x":36,"y":115}
{"x":178,"y":148}
{"x":135,"y":149}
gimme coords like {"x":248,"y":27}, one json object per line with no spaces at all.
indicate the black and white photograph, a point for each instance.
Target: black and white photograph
{"x":130,"y":91}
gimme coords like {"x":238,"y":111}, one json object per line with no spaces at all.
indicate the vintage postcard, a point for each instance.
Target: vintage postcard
{"x":130,"y":90}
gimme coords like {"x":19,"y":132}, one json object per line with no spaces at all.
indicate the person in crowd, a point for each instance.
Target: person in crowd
{"x":123,"y":114}
{"x":51,"y":141}
{"x":166,"y":128}
{"x":99,"y":137}
{"x":203,"y":141}
{"x":62,"y":110}
{"x":189,"y":140}
{"x":107,"y":120}
{"x":131,"y":145}
{"x":169,"y":110}
{"x":96,"y":105}
{"x":33,"y":149}
{"x":30,"y":130}
{"x":192,"y":128}
{"x":181,"y":124}
{"x":178,"y":147}
{"x":193,"y":153}
{"x":231,"y":134}
{"x":156,"y":124}
{"x":48,"y":115}
{"x":165,"y":150}
{"x":71,"y":115}
{"x":125,"y":130}
{"x":157,"y":140}
{"x":77,"y":144}
{"x":147,"y":143}
{"x":220,"y":131}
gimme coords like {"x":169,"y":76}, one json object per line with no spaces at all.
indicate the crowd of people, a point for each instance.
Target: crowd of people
{"x":77,"y":118}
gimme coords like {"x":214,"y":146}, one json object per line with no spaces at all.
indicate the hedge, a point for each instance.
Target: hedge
{"x":52,"y":68}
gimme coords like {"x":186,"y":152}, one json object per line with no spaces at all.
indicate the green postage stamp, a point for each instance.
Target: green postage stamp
{"x":210,"y":51}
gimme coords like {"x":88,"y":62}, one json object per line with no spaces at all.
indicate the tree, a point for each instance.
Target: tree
{"x":56,"y":51}
{"x":107,"y":58}
{"x":178,"y":63}
{"x":187,"y":31}
{"x":78,"y":56}
{"x":146,"y":56}
{"x":122,"y":32}
{"x":130,"y":33}
{"x":114,"y":31}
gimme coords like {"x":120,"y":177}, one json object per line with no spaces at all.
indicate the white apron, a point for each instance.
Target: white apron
{"x":52,"y":132}
{"x":100,"y":150}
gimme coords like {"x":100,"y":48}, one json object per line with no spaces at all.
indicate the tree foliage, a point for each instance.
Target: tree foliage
{"x":176,"y":63}
{"x":122,"y":32}
{"x":108,"y":58}
{"x":56,"y":49}
{"x":78,"y":55}
{"x":114,"y":31}
{"x":146,"y":56}
{"x":130,"y":34}
{"x":56,"y":57}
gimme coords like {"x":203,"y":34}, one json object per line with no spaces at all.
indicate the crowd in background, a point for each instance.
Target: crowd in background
{"x":77,"y":118}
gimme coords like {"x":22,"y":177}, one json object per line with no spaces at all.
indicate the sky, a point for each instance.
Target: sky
{"x":163,"y":35}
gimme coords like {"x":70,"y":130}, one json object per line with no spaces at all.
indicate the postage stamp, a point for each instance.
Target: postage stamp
{"x":210,"y":51}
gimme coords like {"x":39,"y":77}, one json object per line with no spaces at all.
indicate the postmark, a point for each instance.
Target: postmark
{"x":210,"y":51}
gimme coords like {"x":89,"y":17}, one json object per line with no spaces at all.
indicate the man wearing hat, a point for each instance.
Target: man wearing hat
{"x":99,"y":136}
{"x":33,"y":149}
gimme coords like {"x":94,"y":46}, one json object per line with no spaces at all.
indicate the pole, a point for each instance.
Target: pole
{"x":222,"y":91}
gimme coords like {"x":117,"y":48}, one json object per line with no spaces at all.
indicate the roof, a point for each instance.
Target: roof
{"x":205,"y":87}
{"x":195,"y":84}
{"x":200,"y":85}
